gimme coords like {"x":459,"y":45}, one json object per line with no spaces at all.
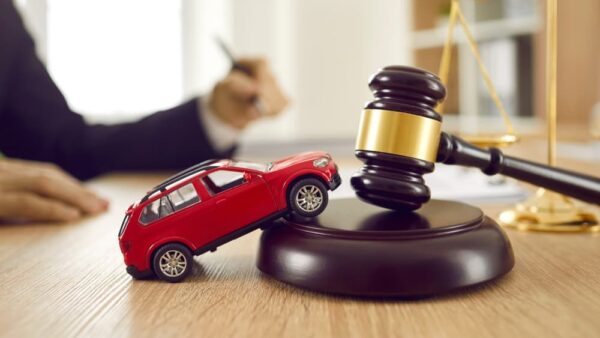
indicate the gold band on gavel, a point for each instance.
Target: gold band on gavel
{"x":399,"y":133}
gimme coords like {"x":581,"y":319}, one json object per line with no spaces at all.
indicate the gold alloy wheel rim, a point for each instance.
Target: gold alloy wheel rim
{"x":172,"y":263}
{"x":309,"y":198}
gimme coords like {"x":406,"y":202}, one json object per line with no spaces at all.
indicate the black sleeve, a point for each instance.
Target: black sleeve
{"x":36,"y":122}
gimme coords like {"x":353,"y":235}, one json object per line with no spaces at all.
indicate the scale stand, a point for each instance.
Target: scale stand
{"x":550,"y":211}
{"x":547,"y":210}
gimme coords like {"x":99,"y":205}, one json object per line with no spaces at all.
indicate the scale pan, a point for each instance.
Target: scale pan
{"x":488,"y":140}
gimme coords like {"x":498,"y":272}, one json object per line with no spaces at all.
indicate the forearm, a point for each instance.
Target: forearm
{"x":37,"y":124}
{"x":171,"y":139}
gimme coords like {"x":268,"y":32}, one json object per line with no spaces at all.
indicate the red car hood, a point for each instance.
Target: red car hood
{"x":298,"y":158}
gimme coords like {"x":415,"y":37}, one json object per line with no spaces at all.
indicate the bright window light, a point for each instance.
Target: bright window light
{"x":116,"y":59}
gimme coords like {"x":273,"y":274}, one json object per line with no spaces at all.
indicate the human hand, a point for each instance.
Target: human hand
{"x":36,"y":191}
{"x":233,"y":98}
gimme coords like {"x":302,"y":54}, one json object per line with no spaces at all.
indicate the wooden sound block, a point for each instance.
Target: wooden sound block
{"x":357,"y":249}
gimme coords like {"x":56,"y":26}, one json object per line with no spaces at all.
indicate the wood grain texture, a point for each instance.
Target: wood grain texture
{"x":67,"y":280}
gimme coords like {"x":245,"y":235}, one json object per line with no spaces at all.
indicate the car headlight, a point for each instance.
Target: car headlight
{"x":321,"y":162}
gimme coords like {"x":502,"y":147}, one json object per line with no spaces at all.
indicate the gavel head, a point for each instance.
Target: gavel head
{"x":398,"y":138}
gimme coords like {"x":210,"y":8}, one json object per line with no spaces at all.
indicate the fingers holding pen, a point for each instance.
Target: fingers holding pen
{"x":242,"y":86}
{"x":232,"y":99}
{"x":248,"y":92}
{"x":274,"y":101}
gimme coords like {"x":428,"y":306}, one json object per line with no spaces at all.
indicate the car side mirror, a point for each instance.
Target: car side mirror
{"x":247,"y":177}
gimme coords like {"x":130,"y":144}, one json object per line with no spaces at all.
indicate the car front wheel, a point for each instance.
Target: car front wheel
{"x":308,"y":197}
{"x":173,"y":262}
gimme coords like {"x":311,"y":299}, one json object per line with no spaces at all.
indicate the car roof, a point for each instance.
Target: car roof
{"x":195,"y":169}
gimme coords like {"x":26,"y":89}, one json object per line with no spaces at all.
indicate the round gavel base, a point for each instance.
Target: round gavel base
{"x":357,"y":249}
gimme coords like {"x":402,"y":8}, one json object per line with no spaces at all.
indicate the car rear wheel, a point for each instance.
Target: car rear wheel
{"x":308,"y":197}
{"x":172,"y":262}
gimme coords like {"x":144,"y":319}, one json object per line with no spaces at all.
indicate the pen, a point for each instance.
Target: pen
{"x":256,"y":101}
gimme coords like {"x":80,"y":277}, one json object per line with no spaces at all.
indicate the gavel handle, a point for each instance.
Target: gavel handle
{"x":454,"y":150}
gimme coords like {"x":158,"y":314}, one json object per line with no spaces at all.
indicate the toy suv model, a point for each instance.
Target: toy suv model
{"x":217,"y":201}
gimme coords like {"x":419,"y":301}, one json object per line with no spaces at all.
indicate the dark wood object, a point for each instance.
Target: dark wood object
{"x":394,"y":181}
{"x":358,"y":249}
{"x":454,"y":150}
{"x":361,"y":250}
{"x":389,"y":180}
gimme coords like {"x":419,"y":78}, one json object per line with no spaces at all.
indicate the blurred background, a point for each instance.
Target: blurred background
{"x":120,"y":59}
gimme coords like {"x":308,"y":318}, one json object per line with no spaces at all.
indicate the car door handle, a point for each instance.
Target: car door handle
{"x":221,"y":201}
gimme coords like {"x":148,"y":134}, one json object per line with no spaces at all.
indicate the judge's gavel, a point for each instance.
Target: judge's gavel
{"x":400,"y":138}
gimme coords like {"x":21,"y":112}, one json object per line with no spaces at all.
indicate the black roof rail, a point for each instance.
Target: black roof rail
{"x":186,"y":172}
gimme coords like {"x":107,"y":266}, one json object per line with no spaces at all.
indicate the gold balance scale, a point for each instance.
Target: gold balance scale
{"x":545,"y":210}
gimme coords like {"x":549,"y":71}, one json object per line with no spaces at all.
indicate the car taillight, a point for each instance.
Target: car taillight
{"x":125,"y":246}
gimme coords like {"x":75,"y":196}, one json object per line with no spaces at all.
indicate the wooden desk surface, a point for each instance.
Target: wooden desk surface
{"x":69,"y":280}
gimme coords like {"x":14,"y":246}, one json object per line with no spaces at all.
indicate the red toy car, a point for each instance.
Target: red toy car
{"x":216,"y":201}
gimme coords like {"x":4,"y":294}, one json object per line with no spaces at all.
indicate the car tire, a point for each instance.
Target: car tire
{"x":172,"y":262}
{"x":308,"y":197}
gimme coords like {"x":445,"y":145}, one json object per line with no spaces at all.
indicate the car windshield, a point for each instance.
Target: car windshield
{"x":264,"y":167}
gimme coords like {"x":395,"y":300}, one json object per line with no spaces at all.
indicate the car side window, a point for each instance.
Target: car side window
{"x":166,"y":205}
{"x":222,"y":180}
{"x":184,"y":197}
